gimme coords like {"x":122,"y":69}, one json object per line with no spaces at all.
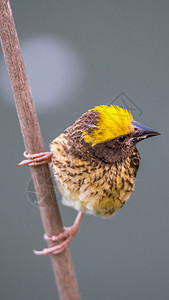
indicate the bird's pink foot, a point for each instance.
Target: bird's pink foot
{"x":63,"y":238}
{"x":36,"y":159}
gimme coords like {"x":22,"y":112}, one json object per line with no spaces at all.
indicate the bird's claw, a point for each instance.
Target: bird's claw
{"x":63,"y":239}
{"x":55,"y":249}
{"x":36,"y":159}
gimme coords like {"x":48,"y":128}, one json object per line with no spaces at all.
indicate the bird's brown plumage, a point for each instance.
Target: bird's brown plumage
{"x":97,"y":180}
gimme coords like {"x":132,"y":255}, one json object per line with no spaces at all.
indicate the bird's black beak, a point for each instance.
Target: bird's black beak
{"x":142,"y":132}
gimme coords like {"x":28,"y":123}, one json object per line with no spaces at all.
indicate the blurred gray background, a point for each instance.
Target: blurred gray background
{"x":79,"y":54}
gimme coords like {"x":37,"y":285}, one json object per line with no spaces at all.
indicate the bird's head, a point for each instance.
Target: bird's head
{"x":110,"y":132}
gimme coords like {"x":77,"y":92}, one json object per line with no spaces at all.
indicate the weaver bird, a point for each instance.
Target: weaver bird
{"x":95,"y":162}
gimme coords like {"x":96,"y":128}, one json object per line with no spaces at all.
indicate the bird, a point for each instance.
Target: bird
{"x":95,"y":163}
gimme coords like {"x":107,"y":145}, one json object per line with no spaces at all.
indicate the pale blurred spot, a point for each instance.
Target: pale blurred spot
{"x":55,"y":71}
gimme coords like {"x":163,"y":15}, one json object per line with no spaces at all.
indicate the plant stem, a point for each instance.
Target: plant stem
{"x":62,"y":263}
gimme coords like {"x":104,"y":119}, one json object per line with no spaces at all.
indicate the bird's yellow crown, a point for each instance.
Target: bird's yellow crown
{"x":113,"y":121}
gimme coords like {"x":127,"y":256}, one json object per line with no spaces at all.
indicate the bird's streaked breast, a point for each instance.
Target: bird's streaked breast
{"x":90,"y":187}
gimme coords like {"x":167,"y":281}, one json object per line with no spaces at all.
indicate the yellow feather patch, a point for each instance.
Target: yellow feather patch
{"x":113,"y":121}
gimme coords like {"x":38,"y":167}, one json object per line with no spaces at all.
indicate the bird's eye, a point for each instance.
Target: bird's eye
{"x":122,"y":138}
